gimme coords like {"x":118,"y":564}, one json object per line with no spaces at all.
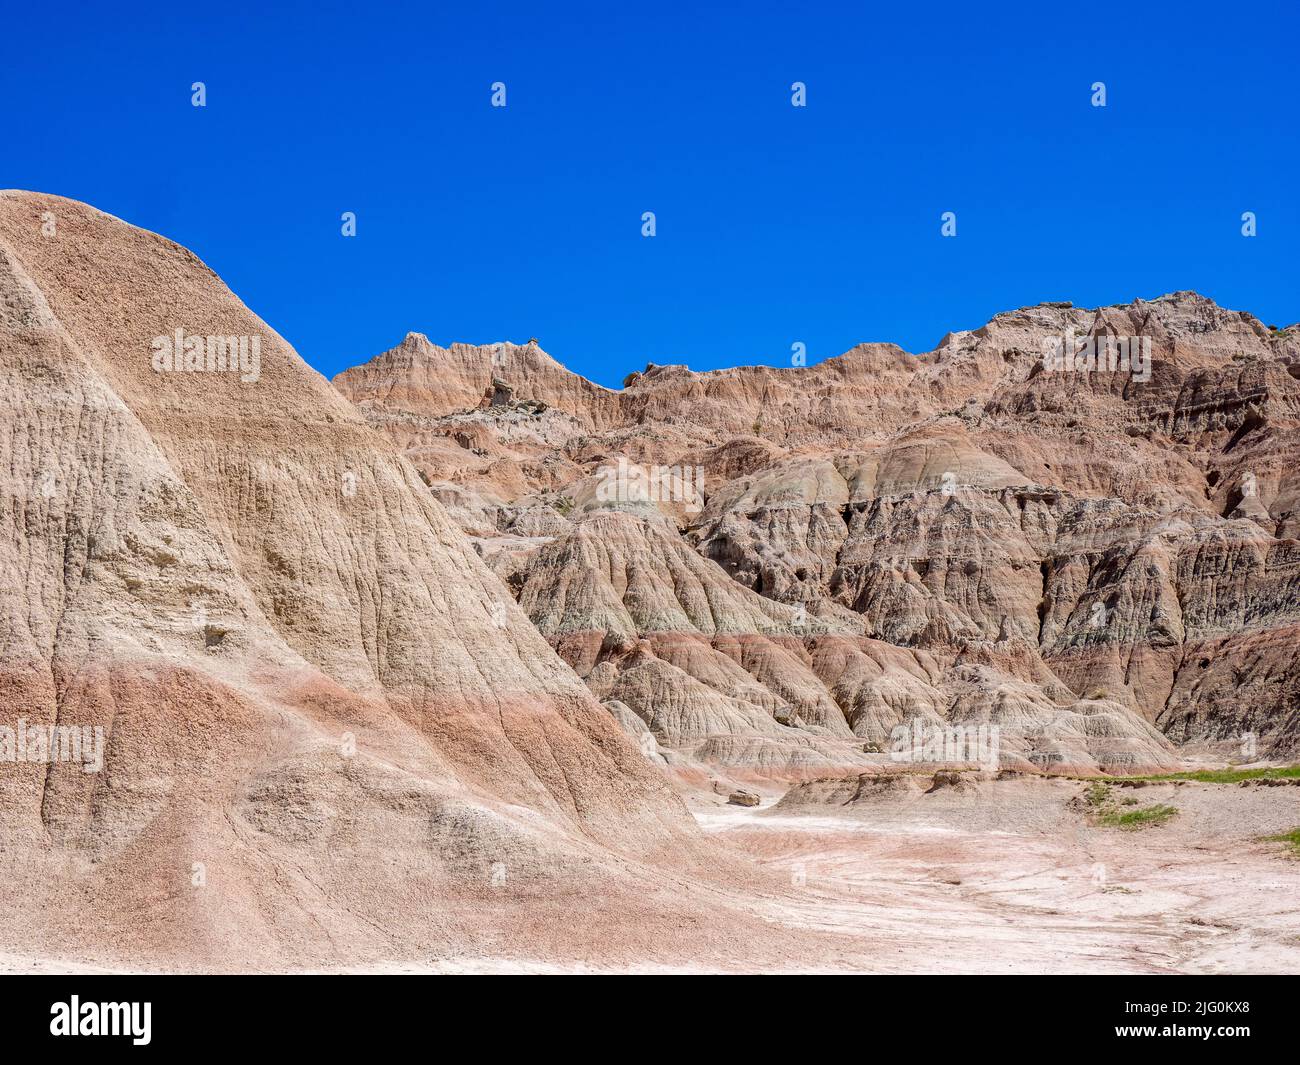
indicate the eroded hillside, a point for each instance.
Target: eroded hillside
{"x":1103,"y":564}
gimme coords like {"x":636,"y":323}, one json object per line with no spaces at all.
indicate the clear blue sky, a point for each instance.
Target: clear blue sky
{"x":775,"y":224}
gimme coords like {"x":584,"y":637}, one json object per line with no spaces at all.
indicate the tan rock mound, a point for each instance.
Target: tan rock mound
{"x":326,"y":726}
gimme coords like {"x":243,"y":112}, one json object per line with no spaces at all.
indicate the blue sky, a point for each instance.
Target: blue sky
{"x":775,"y":224}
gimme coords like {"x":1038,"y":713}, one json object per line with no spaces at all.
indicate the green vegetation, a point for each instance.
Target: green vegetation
{"x":1226,"y":776}
{"x":1140,"y":818}
{"x":1292,"y":839}
{"x":1107,"y":813}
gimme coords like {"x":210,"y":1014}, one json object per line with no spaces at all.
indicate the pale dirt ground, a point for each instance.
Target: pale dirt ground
{"x":1006,"y":877}
{"x":1012,"y":878}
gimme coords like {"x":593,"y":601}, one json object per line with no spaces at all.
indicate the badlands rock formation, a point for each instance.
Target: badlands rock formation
{"x":1102,"y":564}
{"x":329,"y":733}
{"x":404,"y":669}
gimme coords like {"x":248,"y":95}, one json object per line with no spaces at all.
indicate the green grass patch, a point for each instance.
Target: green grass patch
{"x":1291,"y":839}
{"x":1225,"y":776}
{"x":1140,"y":818}
{"x":1107,"y":812}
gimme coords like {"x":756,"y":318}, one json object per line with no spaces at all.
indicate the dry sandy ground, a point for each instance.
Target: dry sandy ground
{"x":1012,"y":877}
{"x":1007,"y":876}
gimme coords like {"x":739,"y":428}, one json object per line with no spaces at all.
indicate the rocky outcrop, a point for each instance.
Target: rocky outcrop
{"x":724,"y":676}
{"x":319,"y":710}
{"x":418,"y":376}
{"x":971,"y":535}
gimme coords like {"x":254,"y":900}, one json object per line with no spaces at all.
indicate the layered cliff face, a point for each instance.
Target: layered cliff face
{"x":769,"y":569}
{"x":322,"y":725}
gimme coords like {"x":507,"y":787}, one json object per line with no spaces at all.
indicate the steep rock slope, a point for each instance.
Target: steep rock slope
{"x":329,"y":734}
